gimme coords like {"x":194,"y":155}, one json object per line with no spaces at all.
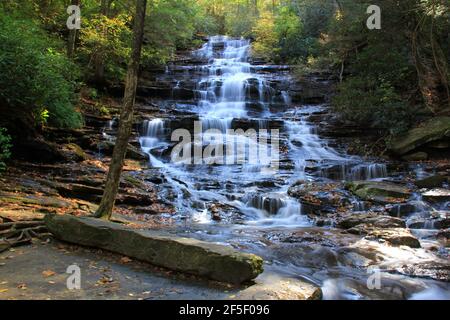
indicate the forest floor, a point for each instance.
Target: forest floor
{"x":38,"y":272}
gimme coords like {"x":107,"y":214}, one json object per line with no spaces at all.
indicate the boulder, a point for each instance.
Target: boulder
{"x":395,"y":236}
{"x":401,"y":210}
{"x":379,"y":191}
{"x":435,"y":129}
{"x":437,"y":195}
{"x":372,"y":220}
{"x":275,"y":287}
{"x":434,"y":181}
{"x":192,"y":256}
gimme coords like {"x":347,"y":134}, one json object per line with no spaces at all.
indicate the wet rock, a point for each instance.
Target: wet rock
{"x":319,"y":197}
{"x":215,"y":215}
{"x":395,"y":236}
{"x":275,"y":287}
{"x":432,"y":270}
{"x":437,"y":195}
{"x":435,"y":181}
{"x":444,"y":234}
{"x":416,"y":156}
{"x":379,"y":191}
{"x":401,"y":210}
{"x":372,"y":220}
{"x":437,"y":128}
{"x":205,"y":259}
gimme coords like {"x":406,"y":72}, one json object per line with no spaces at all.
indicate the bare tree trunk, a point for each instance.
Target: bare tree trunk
{"x":126,"y":117}
{"x":72,"y":36}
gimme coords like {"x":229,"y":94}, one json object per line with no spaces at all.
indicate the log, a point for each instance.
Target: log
{"x":187,"y":255}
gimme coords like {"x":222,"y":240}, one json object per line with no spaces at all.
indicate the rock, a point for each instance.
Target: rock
{"x":42,"y":201}
{"x":107,"y":148}
{"x":74,"y":152}
{"x":401,"y":210}
{"x":317,"y":198}
{"x":379,"y":191}
{"x":274,"y":287}
{"x":437,"y":128}
{"x":371,"y":220}
{"x":395,"y":236}
{"x":435,"y":181}
{"x":437,"y":195}
{"x":436,"y":224}
{"x":435,"y":270}
{"x":192,"y":256}
{"x":79,"y":191}
{"x":215,"y":215}
{"x":416,"y":156}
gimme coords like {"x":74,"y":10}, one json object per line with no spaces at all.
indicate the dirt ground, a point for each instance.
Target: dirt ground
{"x":38,"y":272}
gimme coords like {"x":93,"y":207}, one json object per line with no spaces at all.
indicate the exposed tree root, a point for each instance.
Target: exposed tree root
{"x":14,"y":234}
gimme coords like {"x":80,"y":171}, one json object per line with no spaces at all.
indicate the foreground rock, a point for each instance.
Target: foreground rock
{"x":395,"y":236}
{"x":180,"y":254}
{"x":379,"y":191}
{"x":435,"y":129}
{"x":274,"y":287}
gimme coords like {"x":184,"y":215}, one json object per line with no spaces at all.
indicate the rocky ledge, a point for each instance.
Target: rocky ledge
{"x":192,"y":256}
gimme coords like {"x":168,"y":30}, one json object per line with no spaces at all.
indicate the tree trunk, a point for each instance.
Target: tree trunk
{"x":72,"y":36}
{"x":126,"y":117}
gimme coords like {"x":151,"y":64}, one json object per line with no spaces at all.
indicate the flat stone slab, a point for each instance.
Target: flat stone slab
{"x":192,"y":256}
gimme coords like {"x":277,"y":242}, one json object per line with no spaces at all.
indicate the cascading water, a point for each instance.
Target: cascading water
{"x":257,"y":213}
{"x":231,"y":89}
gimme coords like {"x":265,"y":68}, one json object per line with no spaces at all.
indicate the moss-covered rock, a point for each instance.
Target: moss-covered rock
{"x":193,"y":256}
{"x":435,"y":129}
{"x":379,"y":191}
{"x":434,"y":181}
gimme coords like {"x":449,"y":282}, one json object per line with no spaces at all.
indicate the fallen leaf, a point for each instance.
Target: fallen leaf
{"x":125,"y":260}
{"x":48,"y":273}
{"x":3,"y":290}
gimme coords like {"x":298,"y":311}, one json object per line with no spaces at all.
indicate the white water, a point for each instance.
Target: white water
{"x":228,"y":84}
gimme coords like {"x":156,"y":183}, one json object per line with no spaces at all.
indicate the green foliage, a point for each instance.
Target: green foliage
{"x":366,"y":102}
{"x":37,"y":80}
{"x":5,"y":146}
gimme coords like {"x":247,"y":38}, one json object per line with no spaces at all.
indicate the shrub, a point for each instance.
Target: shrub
{"x":5,"y":146}
{"x":37,"y":80}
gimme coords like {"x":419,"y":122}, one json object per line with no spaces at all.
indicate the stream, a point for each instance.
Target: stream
{"x":246,"y":204}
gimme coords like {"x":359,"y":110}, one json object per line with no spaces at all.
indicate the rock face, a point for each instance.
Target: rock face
{"x":180,"y":254}
{"x":382,"y":192}
{"x":432,"y":130}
